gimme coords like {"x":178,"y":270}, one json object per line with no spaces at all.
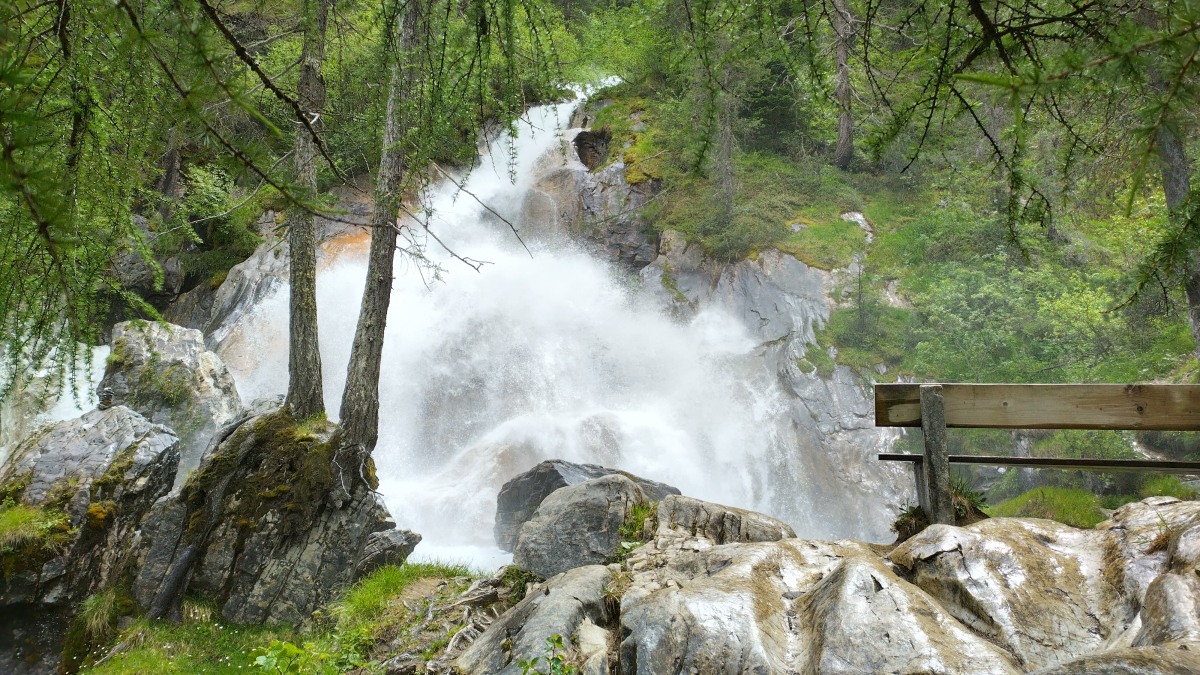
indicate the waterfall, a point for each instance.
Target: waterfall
{"x":550,"y":353}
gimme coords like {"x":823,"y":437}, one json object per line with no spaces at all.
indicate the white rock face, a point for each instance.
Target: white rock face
{"x":165,"y":373}
{"x":1001,"y":596}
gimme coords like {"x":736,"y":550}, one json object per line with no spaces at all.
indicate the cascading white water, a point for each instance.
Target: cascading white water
{"x":554,"y":355}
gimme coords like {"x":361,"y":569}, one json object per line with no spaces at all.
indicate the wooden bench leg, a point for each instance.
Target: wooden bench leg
{"x":922,"y":486}
{"x":936,"y":464}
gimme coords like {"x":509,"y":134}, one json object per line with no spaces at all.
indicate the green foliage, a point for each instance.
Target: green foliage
{"x":310,"y":657}
{"x":817,"y":359}
{"x":1072,"y":506}
{"x":637,"y":528}
{"x":555,"y":659}
{"x":517,"y":580}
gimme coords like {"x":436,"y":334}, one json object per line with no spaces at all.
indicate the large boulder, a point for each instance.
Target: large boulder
{"x":577,"y":525}
{"x":575,"y":606}
{"x":999,"y":596}
{"x":271,"y":526}
{"x":165,"y":373}
{"x":520,"y":497}
{"x":101,"y":472}
{"x":76,"y":494}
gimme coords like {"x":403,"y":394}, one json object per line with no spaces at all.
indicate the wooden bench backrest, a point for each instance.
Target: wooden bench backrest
{"x":1047,"y":406}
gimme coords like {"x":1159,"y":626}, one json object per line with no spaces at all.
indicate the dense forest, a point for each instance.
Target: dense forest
{"x":1023,"y":169}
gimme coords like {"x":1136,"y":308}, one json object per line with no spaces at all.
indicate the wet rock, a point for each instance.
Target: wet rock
{"x":520,"y":497}
{"x":865,"y":619}
{"x":266,"y":527}
{"x":591,"y":202}
{"x":592,"y":147}
{"x":165,"y":373}
{"x":577,"y":525}
{"x":103,"y":471}
{"x":390,"y":547}
{"x":563,"y":606}
{"x":1044,"y":591}
{"x":787,"y":606}
{"x":1171,"y":612}
{"x":1142,"y":536}
{"x":138,"y":275}
{"x":719,"y":524}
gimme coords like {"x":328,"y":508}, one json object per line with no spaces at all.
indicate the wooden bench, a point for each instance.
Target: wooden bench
{"x":935,"y":407}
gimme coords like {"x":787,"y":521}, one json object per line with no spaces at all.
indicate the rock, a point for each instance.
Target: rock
{"x":1141,"y":533}
{"x":865,"y":619}
{"x":165,"y":373}
{"x":1147,"y":661}
{"x":787,"y":606}
{"x":592,"y":147}
{"x":265,"y":527}
{"x":390,"y":547}
{"x":573,"y":195}
{"x":138,"y":275}
{"x":520,"y":497}
{"x":565,"y":605}
{"x":1042,"y":590}
{"x":577,"y":525}
{"x":1171,"y":612}
{"x":101,"y":472}
{"x":719,"y":524}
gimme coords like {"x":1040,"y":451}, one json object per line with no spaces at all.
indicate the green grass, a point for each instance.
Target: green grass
{"x":190,"y":647}
{"x":367,"y":600}
{"x":1169,"y":486}
{"x":204,"y":643}
{"x":22,"y":525}
{"x":1072,"y":506}
{"x":826,"y":246}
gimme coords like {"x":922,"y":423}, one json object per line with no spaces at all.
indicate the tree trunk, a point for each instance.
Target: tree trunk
{"x":843,"y":154}
{"x":1176,"y":171}
{"x":305,"y":395}
{"x":360,"y":401}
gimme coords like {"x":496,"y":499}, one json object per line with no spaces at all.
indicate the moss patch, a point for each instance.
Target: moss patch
{"x":285,"y":469}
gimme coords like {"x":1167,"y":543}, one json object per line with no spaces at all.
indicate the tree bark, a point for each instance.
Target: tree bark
{"x":843,"y":154}
{"x":359,"y":428}
{"x":1176,"y":172}
{"x":305,"y":395}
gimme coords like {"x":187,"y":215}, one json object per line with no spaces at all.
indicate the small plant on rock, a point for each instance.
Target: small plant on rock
{"x":555,"y":660}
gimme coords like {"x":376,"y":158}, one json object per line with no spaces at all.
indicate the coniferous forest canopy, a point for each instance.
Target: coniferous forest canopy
{"x":1026,"y":166}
